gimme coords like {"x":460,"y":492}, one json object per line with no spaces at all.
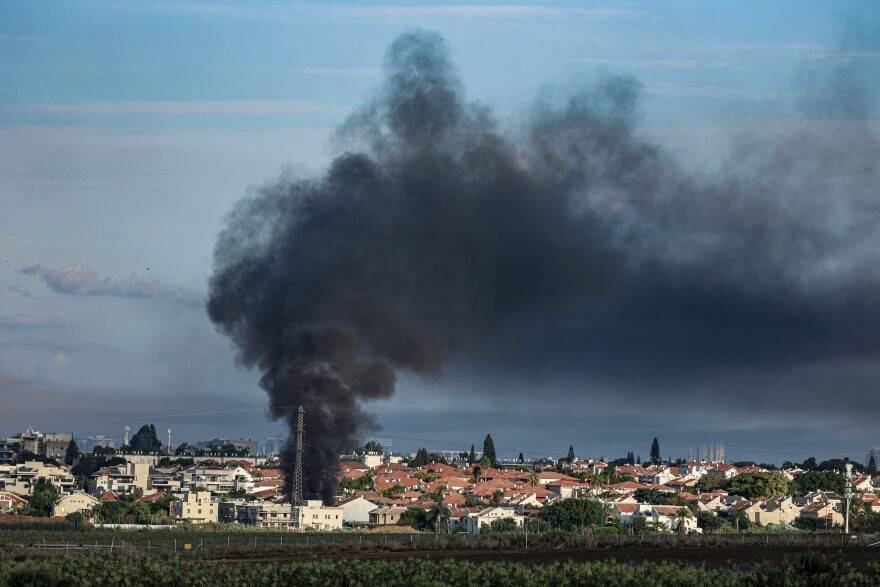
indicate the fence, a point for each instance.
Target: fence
{"x":215,"y":544}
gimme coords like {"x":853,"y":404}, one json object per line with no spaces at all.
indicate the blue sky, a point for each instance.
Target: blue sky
{"x":128,"y":130}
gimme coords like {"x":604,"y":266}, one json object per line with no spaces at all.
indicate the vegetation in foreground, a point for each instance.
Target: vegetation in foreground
{"x":810,"y":569}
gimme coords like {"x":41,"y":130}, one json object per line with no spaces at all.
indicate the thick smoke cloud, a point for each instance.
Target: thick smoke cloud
{"x":439,"y":238}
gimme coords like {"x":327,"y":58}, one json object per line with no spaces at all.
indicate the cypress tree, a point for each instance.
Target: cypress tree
{"x":570,"y":457}
{"x":655,"y":452}
{"x":872,"y":465}
{"x":472,"y":456}
{"x":489,"y":450}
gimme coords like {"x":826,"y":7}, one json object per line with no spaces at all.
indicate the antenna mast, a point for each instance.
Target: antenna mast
{"x":297,"y":475}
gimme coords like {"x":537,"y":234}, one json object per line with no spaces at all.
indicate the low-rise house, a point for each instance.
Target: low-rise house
{"x":484,"y":518}
{"x":830,"y":512}
{"x":78,"y":501}
{"x":194,"y":506}
{"x":777,"y":511}
{"x":9,"y":501}
{"x":314,"y":514}
{"x":676,"y":518}
{"x":386,"y":515}
{"x":356,"y":509}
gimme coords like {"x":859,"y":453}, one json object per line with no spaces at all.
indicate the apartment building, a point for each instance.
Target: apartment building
{"x":128,"y":478}
{"x":194,"y":506}
{"x":216,"y":479}
{"x":19,"y":479}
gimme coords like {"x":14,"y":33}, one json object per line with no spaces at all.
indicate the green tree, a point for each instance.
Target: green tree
{"x":751,"y":485}
{"x":570,"y":456}
{"x":521,"y":459}
{"x":707,"y":483}
{"x":872,"y":465}
{"x":504,"y":525}
{"x":373,"y":446}
{"x":71,"y":454}
{"x":708,"y":521}
{"x":810,"y":481}
{"x":146,"y":439}
{"x":655,"y":451}
{"x":573,"y":514}
{"x":417,"y":519}
{"x":42,"y":499}
{"x":533,"y":480}
{"x":472,"y":456}
{"x":489,"y":450}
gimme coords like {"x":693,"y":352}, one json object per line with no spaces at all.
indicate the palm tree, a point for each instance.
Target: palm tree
{"x":533,"y":480}
{"x":680,"y":516}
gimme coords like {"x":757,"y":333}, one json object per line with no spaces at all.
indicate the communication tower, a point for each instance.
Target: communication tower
{"x":297,"y":475}
{"x":125,"y":442}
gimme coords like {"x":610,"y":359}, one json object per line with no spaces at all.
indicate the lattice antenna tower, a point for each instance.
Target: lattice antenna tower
{"x":297,"y":475}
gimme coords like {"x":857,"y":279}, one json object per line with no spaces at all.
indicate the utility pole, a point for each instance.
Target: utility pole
{"x":297,"y":475}
{"x":847,"y":494}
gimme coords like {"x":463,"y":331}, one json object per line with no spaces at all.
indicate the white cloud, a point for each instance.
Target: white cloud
{"x":213,"y":108}
{"x":25,"y":321}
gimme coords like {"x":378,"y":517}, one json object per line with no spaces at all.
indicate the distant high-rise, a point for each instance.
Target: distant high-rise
{"x":273,"y":445}
{"x":708,"y":451}
{"x":385,"y":443}
{"x":873,"y":452}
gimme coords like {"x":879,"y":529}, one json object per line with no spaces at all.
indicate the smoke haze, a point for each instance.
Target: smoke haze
{"x":438,"y":237}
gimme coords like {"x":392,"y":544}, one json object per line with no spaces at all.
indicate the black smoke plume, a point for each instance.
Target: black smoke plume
{"x":573,"y":245}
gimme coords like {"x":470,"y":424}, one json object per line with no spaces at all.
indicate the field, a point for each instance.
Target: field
{"x":92,"y":570}
{"x":275,"y":557}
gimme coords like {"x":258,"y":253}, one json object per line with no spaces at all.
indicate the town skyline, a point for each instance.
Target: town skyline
{"x":738,"y":308}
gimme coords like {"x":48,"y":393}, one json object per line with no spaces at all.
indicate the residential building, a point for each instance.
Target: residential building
{"x":19,"y":479}
{"x":873,"y":452}
{"x":131,"y":478}
{"x":714,"y":452}
{"x":264,"y":514}
{"x":55,"y":445}
{"x":484,"y":518}
{"x":217,"y":479}
{"x":273,"y":445}
{"x":195,"y":506}
{"x":78,"y":501}
{"x":386,"y":515}
{"x":315,"y":515}
{"x":88,"y":443}
{"x":6,"y":453}
{"x":9,"y":501}
{"x":356,"y":509}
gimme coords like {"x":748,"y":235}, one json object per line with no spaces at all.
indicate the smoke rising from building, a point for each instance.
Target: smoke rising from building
{"x":574,"y":245}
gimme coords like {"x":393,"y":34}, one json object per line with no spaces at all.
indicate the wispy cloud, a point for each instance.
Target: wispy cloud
{"x":280,"y":12}
{"x":27,"y":321}
{"x":77,"y":280}
{"x":844,"y":56}
{"x":23,"y":292}
{"x":85,"y":342}
{"x":671,"y":62}
{"x":683,"y":91}
{"x":509,"y":11}
{"x":367,"y":72}
{"x":212,"y":108}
